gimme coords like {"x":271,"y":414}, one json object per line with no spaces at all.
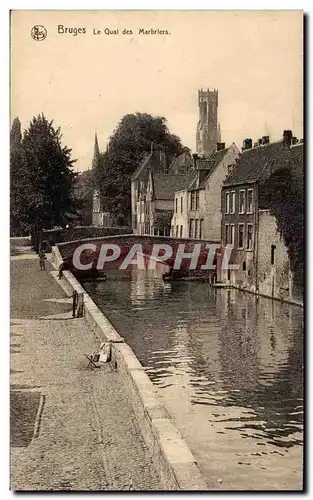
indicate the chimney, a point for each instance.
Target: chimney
{"x":247,"y":144}
{"x":220,"y":146}
{"x":259,"y":142}
{"x":294,"y":140}
{"x":195,"y":159}
{"x":287,"y":137}
{"x":265,"y":139}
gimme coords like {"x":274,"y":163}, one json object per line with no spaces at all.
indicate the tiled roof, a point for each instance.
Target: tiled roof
{"x":297,"y":156}
{"x":203,"y":175}
{"x":150,"y":162}
{"x":257,"y":164}
{"x":181,"y":164}
{"x":216,"y":157}
{"x":198,"y":179}
{"x":205,"y":167}
{"x":297,"y":164}
{"x":165,"y":185}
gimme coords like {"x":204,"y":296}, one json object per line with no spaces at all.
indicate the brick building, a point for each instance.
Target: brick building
{"x":247,"y":224}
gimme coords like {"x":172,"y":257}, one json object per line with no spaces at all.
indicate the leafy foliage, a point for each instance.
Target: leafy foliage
{"x":83,"y":189}
{"x":130,"y":142}
{"x":162,"y":221}
{"x":18,"y":187}
{"x":41,"y":177}
{"x":283,"y":195}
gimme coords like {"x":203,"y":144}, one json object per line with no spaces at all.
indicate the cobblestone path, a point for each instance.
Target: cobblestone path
{"x":86,"y":437}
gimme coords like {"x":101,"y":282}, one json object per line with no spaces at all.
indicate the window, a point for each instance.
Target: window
{"x":226,"y":234}
{"x":249,"y":236}
{"x":192,"y":200}
{"x":197,"y":200}
{"x":241,"y":230}
{"x":196,"y":228}
{"x":191,"y":228}
{"x":232,"y":202}
{"x":181,"y":203}
{"x":176,"y":204}
{"x":227,"y":202}
{"x":244,"y":266}
{"x":242,"y":201}
{"x":181,"y":232}
{"x":201,"y":229}
{"x":250,"y":201}
{"x":273,"y":248}
{"x":229,"y":169}
{"x":176,"y":231}
{"x":232,"y":234}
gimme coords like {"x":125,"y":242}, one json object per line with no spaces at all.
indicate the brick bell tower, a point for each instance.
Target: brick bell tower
{"x":208,"y":130}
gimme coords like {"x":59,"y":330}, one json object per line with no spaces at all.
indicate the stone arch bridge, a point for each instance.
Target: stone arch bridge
{"x":88,"y":252}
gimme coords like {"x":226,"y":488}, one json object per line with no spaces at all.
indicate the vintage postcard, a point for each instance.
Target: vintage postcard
{"x":157,"y":232}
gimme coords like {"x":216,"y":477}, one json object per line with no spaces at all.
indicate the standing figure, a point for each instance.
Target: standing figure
{"x":75,"y":302}
{"x":42,"y":259}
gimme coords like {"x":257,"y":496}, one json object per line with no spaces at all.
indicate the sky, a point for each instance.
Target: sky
{"x":87,"y":82}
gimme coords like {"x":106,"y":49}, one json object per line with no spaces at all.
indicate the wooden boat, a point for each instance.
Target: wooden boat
{"x":88,"y":279}
{"x":184,"y":278}
{"x":220,"y":284}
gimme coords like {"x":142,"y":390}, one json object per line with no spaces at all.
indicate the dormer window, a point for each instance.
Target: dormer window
{"x":230,"y":169}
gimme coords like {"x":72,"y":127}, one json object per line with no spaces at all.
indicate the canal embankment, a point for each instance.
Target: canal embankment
{"x":72,"y":428}
{"x":228,"y":367}
{"x":171,"y":456}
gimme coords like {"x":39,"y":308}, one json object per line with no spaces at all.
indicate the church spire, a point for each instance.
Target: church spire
{"x":96,"y":152}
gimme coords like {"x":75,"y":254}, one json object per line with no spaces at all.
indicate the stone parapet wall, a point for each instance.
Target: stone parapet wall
{"x":54,"y":236}
{"x":127,"y":241}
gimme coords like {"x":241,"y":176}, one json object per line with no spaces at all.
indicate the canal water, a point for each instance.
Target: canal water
{"x":228,"y":367}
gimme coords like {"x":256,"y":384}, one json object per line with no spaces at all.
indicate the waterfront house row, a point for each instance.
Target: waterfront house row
{"x":249,"y":214}
{"x":183,"y":200}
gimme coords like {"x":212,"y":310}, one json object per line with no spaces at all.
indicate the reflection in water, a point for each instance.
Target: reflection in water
{"x":228,"y":366}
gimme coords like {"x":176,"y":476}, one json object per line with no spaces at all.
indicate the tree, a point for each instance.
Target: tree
{"x":283,"y":195}
{"x":84,"y":188}
{"x":18,"y":180}
{"x":41,"y":176}
{"x":162,"y":222}
{"x":130,"y":142}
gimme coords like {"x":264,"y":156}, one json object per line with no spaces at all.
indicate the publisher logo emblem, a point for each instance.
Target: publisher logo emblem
{"x":38,"y":33}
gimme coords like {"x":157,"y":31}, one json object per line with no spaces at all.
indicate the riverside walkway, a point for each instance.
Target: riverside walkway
{"x":72,"y":428}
